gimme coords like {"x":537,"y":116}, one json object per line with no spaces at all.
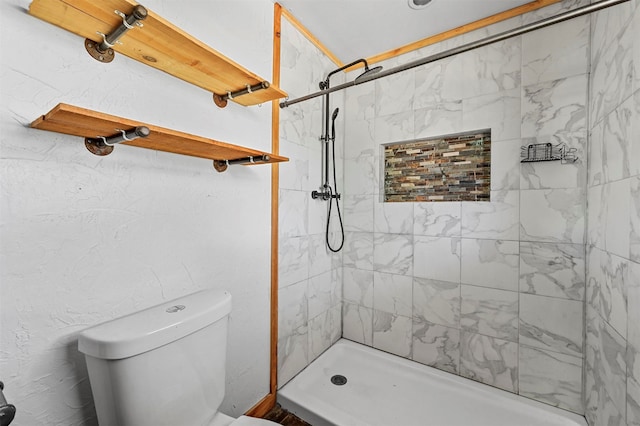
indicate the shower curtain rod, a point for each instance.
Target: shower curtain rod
{"x":466,"y":47}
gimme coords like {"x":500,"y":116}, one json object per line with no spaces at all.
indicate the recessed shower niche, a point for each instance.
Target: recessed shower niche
{"x":454,"y":167}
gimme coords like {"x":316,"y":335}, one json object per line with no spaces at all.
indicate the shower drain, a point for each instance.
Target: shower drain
{"x":338,"y":380}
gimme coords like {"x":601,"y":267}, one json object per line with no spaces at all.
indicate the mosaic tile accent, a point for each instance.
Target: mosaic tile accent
{"x":447,"y":168}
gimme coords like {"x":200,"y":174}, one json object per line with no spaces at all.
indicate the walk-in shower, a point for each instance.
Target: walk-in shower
{"x":326,"y":191}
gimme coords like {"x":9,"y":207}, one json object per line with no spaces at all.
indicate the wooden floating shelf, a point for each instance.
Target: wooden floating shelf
{"x":159,"y":44}
{"x":73,"y":120}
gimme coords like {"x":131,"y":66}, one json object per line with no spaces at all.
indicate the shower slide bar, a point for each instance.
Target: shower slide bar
{"x":594,"y":7}
{"x":7,"y":411}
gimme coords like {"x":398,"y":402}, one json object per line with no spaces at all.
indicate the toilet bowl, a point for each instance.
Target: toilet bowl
{"x":163,"y":366}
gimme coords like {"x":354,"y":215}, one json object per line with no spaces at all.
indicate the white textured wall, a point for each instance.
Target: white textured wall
{"x":85,"y":239}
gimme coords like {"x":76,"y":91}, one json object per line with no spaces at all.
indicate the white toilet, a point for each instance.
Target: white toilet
{"x":164,"y":365}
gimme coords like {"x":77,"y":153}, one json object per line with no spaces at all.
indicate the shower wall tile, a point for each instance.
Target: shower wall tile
{"x":551,"y":377}
{"x":612,"y":70}
{"x":487,"y":31}
{"x":358,"y":250}
{"x":357,"y":323}
{"x":393,"y":293}
{"x":490,"y":263}
{"x":634,"y":218}
{"x":393,"y":218}
{"x":394,"y":128}
{"x":617,"y":139}
{"x":293,"y":354}
{"x":394,"y":94}
{"x":595,"y":278}
{"x":437,"y":219}
{"x":609,"y":275}
{"x":595,"y":217}
{"x":337,"y":279}
{"x":359,"y":173}
{"x":633,"y":385}
{"x":499,"y":111}
{"x":497,"y":219}
{"x":555,"y":107}
{"x":491,"y":69}
{"x":299,"y":125}
{"x":436,"y":302}
{"x":293,"y":260}
{"x":556,"y":270}
{"x":489,"y":360}
{"x":359,"y":138}
{"x":616,"y":201}
{"x":437,"y":82}
{"x":552,"y":324}
{"x":320,"y":334}
{"x":505,"y":165}
{"x":595,"y":160}
{"x":553,"y":215}
{"x":393,"y":253}
{"x":438,"y":119}
{"x":634,"y":155}
{"x":295,"y":175}
{"x":392,"y":333}
{"x":633,"y":304}
{"x":358,"y":213}
{"x":292,"y":308}
{"x":489,"y":312}
{"x":436,"y":258}
{"x":606,"y":366}
{"x":336,"y":322}
{"x":633,"y":345}
{"x":358,"y":287}
{"x":436,"y":345}
{"x":319,"y":294}
{"x":317,"y":220}
{"x":607,"y":25}
{"x":552,"y":10}
{"x":321,"y":259}
{"x":293,"y":213}
{"x":636,"y":46}
{"x":361,"y":102}
{"x":555,"y":174}
{"x":559,"y":51}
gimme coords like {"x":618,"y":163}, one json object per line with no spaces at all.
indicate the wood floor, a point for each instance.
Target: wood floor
{"x":283,"y":417}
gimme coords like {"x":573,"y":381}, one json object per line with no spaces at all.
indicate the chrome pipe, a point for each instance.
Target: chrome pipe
{"x":595,"y":7}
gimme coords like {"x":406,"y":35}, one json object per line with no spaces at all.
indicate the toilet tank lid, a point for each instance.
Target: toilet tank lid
{"x":156,"y":326}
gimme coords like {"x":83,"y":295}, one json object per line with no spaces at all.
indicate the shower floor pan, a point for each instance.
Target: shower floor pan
{"x":386,"y":390}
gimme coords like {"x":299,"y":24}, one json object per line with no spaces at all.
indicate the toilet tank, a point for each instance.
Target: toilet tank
{"x":164,"y":365}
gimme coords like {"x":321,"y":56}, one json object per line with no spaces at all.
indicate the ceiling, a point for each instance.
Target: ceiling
{"x":353,"y":29}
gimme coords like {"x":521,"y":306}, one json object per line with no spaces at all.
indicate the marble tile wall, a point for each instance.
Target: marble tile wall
{"x":612,"y":391}
{"x":310,"y":276}
{"x":502,"y":292}
{"x":492,"y":291}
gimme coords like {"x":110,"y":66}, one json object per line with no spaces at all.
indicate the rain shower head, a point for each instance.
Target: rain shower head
{"x":367,"y":72}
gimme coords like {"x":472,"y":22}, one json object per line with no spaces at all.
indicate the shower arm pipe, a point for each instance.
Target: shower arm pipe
{"x":344,"y":67}
{"x":594,"y":7}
